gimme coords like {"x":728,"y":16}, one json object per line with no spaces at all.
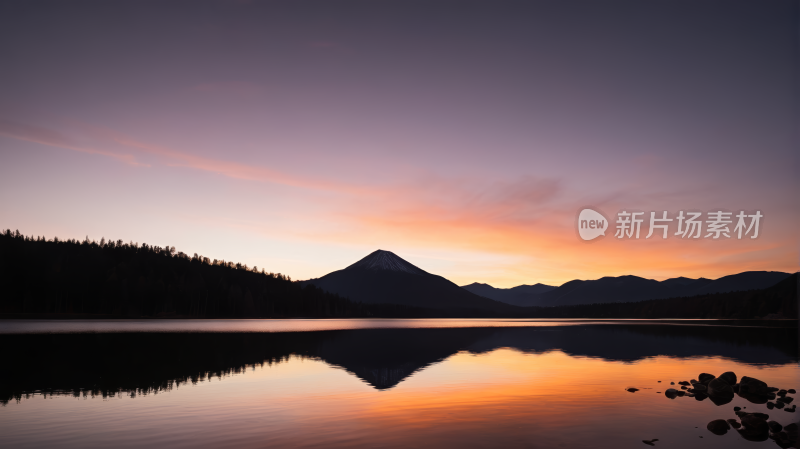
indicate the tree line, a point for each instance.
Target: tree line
{"x":117,"y":279}
{"x":40,"y":277}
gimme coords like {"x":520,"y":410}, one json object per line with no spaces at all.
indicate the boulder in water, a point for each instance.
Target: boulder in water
{"x":752,"y":386}
{"x":718,"y":386}
{"x":718,"y":427}
{"x":721,"y":399}
{"x":671,"y":393}
{"x":705,"y":378}
{"x":729,"y":377}
{"x":754,"y":427}
{"x":774,"y":426}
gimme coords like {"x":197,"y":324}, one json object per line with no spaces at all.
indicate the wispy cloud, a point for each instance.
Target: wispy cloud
{"x":167,"y":156}
{"x":527,"y":217}
{"x":52,"y":138}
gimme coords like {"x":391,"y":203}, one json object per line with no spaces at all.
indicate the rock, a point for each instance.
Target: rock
{"x":781,"y":437}
{"x":791,"y":391}
{"x":754,"y":426}
{"x":683,"y":382}
{"x":672,"y":383}
{"x":700,"y":397}
{"x":681,"y":393}
{"x":719,"y":386}
{"x":782,"y":392}
{"x":705,"y":378}
{"x":791,"y":430}
{"x":762,"y":416}
{"x":718,"y":427}
{"x":772,"y":389}
{"x":786,"y":400}
{"x":729,"y":377}
{"x":736,"y":409}
{"x":689,"y":395}
{"x":752,"y":386}
{"x":632,"y":390}
{"x":754,"y":398}
{"x":778,"y":405}
{"x":671,"y":393}
{"x":770,"y":405}
{"x":650,"y":442}
{"x":684,"y":387}
{"x":721,"y":399}
{"x":790,"y":409}
{"x":700,"y":387}
{"x":774,"y":426}
{"x":734,"y":423}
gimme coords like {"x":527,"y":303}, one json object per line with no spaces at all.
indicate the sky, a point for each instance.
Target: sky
{"x":464,"y":136}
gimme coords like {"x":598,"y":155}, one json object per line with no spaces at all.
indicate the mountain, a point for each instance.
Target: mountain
{"x":632,"y":288}
{"x":384,"y":278}
{"x":521,"y":295}
{"x":749,"y":280}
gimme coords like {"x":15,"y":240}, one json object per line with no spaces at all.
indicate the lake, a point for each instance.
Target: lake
{"x":382,"y":383}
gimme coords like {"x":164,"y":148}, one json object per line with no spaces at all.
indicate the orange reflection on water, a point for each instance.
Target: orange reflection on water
{"x":502,"y":398}
{"x":519,"y":399}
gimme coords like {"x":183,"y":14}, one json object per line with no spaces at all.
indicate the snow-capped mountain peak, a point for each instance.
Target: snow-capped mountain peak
{"x":388,"y":261}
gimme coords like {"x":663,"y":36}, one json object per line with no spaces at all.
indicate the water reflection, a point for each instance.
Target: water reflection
{"x":140,"y":363}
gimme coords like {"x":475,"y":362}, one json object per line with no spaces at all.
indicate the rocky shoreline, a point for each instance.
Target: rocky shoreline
{"x":752,"y":426}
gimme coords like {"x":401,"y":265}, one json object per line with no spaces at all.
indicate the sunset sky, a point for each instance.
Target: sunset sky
{"x":465,"y":136}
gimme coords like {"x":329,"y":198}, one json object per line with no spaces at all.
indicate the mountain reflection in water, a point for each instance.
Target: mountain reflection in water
{"x":139,"y":363}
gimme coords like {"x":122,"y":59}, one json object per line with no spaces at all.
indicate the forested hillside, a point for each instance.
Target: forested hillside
{"x":108,"y":278}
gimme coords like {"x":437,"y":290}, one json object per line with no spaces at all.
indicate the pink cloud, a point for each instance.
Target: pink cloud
{"x":48,"y":137}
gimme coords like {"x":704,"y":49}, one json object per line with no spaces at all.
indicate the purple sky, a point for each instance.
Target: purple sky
{"x":462,"y":135}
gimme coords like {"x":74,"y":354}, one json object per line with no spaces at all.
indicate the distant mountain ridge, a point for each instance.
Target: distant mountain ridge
{"x":382,"y":277}
{"x":521,"y":295}
{"x":629,"y":288}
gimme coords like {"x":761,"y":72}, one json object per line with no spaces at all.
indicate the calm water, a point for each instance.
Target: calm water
{"x":378,"y":383}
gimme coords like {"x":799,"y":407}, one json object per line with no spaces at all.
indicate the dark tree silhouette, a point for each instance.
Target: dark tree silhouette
{"x":116,"y":279}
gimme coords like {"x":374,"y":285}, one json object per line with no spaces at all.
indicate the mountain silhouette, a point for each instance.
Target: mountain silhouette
{"x":627,"y":289}
{"x":385,"y":278}
{"x":521,"y":295}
